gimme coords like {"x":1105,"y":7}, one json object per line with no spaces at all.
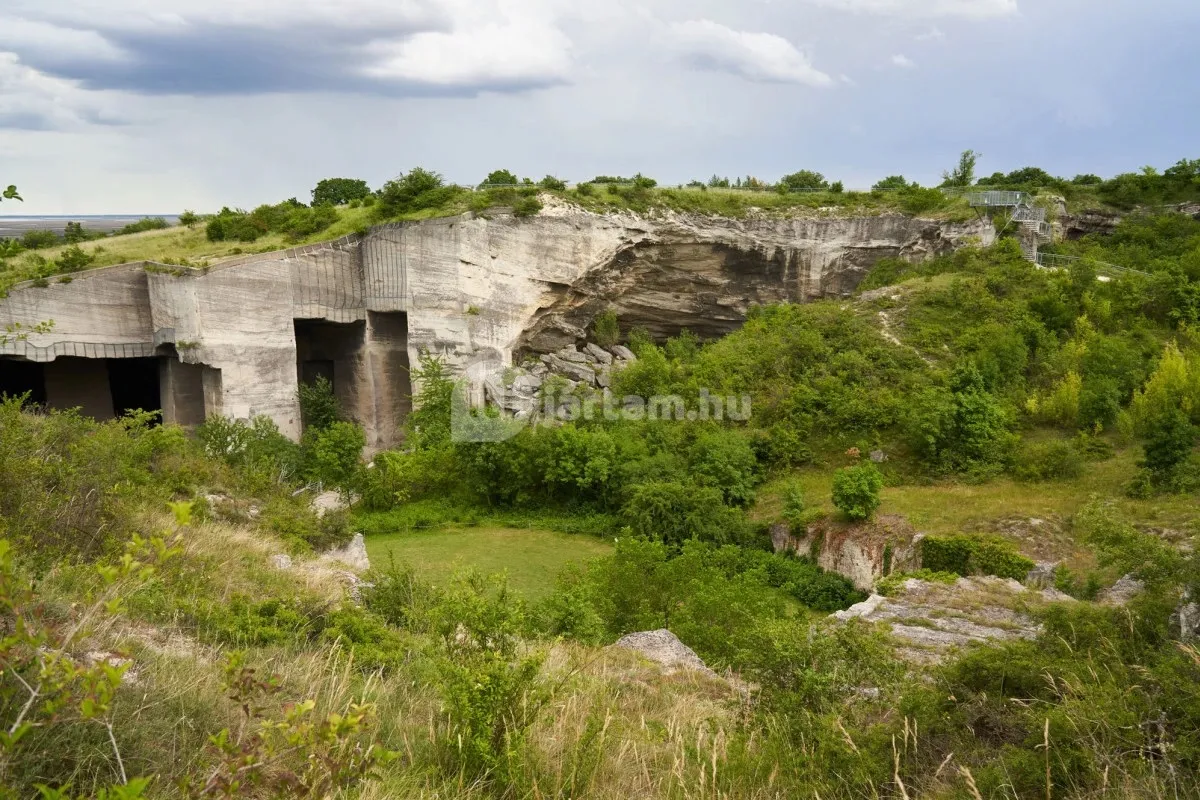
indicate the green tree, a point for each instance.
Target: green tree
{"x":501,"y":177}
{"x":553,"y":184}
{"x":189,"y":218}
{"x":319,"y":407}
{"x":724,"y":460}
{"x":894,"y":182}
{"x":339,"y":191}
{"x":856,"y":491}
{"x":963,"y":174}
{"x":1169,"y":442}
{"x":335,"y":454}
{"x":74,"y":233}
{"x":414,"y":190}
{"x":804,"y":179}
{"x":676,"y":512}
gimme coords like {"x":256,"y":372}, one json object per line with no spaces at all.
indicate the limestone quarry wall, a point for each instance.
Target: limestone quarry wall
{"x":455,"y":287}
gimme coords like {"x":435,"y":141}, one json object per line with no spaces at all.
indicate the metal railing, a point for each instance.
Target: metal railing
{"x":1052,"y":260}
{"x":998,"y":199}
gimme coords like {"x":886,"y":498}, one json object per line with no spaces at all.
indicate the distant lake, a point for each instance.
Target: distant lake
{"x":17,"y":224}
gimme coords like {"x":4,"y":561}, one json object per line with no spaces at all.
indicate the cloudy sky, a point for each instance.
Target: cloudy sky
{"x":153,"y":106}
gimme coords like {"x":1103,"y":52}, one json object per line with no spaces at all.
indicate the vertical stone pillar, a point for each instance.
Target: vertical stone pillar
{"x":389,"y":379}
{"x":182,"y":390}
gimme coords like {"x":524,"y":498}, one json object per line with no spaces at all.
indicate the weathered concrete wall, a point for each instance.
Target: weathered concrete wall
{"x":454,"y":287}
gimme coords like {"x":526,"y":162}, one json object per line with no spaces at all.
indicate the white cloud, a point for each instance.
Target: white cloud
{"x":978,"y":9}
{"x":59,"y":43}
{"x":931,"y":35}
{"x":167,"y":15}
{"x":903,"y":61}
{"x":756,"y":56}
{"x":521,"y":52}
{"x":32,"y":100}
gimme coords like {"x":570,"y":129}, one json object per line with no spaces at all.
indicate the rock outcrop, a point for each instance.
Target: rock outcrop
{"x":862,"y":552}
{"x":665,"y":649}
{"x":929,"y":620}
{"x":236,"y":338}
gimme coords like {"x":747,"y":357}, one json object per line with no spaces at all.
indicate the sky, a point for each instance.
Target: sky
{"x":154,"y":106}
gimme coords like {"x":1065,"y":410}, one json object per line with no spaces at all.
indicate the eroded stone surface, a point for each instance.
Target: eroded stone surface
{"x":236,"y":338}
{"x":664,"y":648}
{"x":930,"y":620}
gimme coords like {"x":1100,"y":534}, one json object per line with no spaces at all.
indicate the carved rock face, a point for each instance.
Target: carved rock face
{"x":706,"y":277}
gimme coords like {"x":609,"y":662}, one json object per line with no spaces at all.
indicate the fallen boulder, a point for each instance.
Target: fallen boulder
{"x":665,"y":649}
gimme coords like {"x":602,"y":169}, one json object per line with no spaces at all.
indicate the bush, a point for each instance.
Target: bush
{"x":527,"y":207}
{"x":294,"y":522}
{"x":553,"y":184}
{"x":319,"y":407}
{"x":1047,"y":461}
{"x":415,"y":190}
{"x":145,"y":224}
{"x":804,"y":179}
{"x":1169,"y":442}
{"x":74,"y":259}
{"x":36,"y":240}
{"x":605,"y":329}
{"x":965,"y":555}
{"x":333,"y":455}
{"x":676,"y":512}
{"x":723,"y":459}
{"x":501,"y":177}
{"x":189,"y":218}
{"x":856,"y":491}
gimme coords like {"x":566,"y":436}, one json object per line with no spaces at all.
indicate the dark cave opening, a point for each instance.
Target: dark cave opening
{"x":134,"y":384}
{"x":19,"y":377}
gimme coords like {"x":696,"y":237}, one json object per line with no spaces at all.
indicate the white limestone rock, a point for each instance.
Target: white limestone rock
{"x":665,"y":649}
{"x":598,"y":353}
{"x":353,"y":555}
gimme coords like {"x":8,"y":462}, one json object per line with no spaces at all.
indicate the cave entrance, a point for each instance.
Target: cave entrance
{"x":19,"y":377}
{"x":334,"y":351}
{"x":134,"y":385}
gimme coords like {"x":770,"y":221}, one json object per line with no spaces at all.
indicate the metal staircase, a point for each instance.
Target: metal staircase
{"x":1021,"y":212}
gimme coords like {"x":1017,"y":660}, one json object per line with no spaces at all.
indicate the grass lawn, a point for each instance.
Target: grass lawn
{"x":949,"y":507}
{"x":532,"y":558}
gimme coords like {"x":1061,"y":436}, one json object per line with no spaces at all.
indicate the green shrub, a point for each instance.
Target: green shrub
{"x":1170,"y":439}
{"x":527,"y":207}
{"x":676,"y":512}
{"x":965,"y":555}
{"x":38,"y":239}
{"x":74,"y":259}
{"x":319,"y":407}
{"x":334,"y":455}
{"x":416,"y":190}
{"x":605,"y":329}
{"x":552,"y":183}
{"x":723,"y":459}
{"x":891,"y":584}
{"x":296,"y":523}
{"x":856,"y":491}
{"x":145,"y":224}
{"x":1047,"y":461}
